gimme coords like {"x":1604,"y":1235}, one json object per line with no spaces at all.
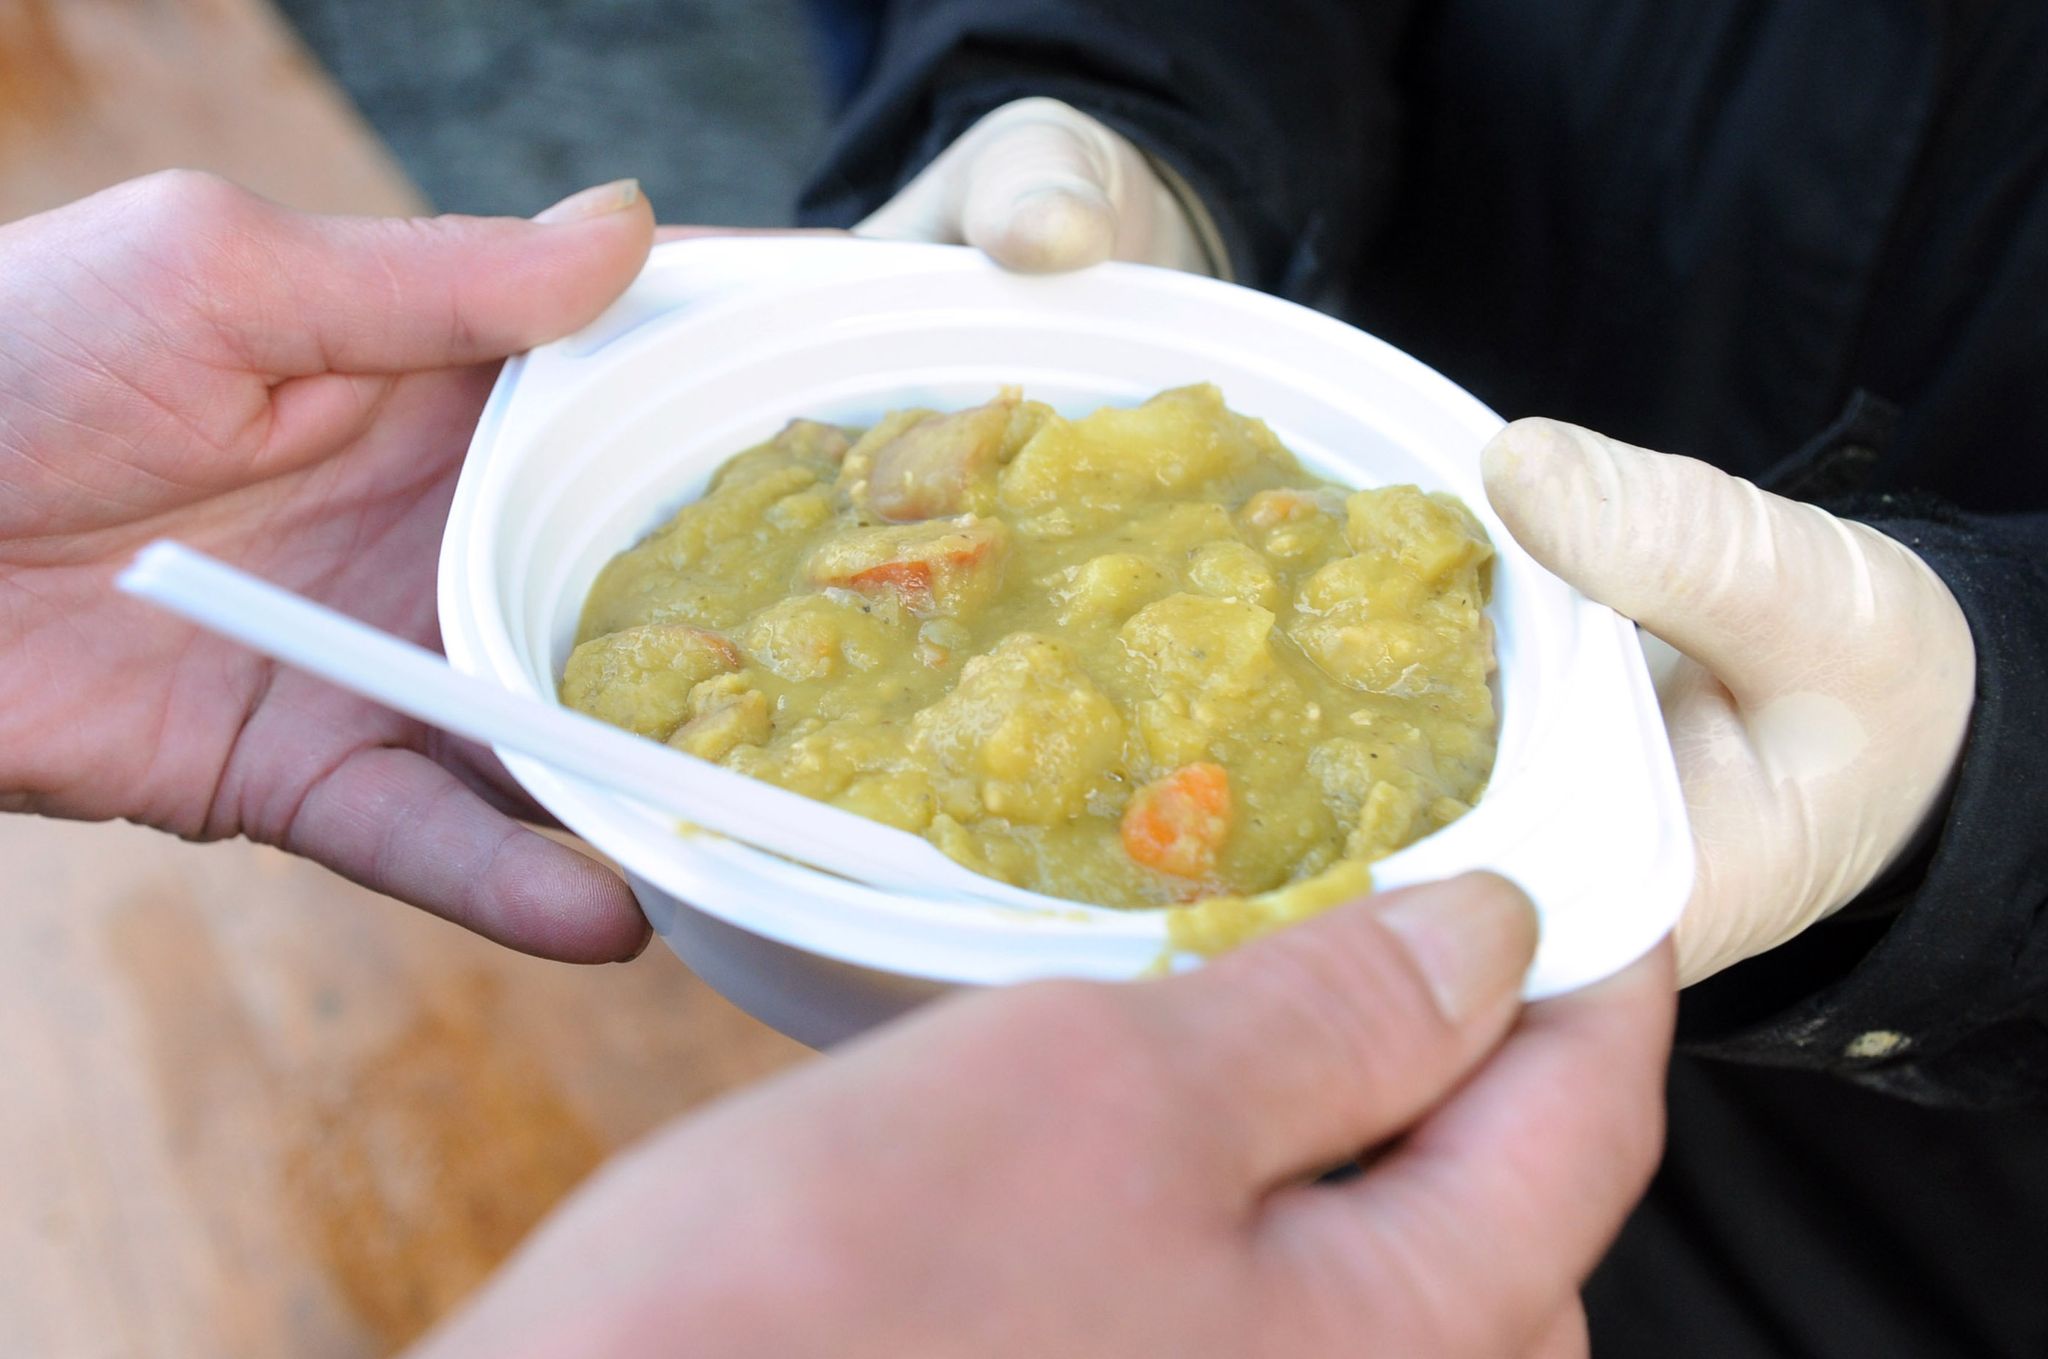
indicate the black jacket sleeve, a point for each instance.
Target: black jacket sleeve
{"x":1280,"y":116}
{"x":1933,"y":986}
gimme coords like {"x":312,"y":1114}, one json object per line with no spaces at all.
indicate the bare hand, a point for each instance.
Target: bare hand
{"x":1087,"y":1170}
{"x":294,"y":394}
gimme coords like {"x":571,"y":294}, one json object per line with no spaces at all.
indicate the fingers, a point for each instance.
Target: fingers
{"x":397,"y":822}
{"x":1042,"y":187}
{"x":1042,"y":196}
{"x":291,"y":294}
{"x":1751,"y":585}
{"x":481,"y":771}
{"x":1303,"y":1049}
{"x":392,"y":295}
{"x":1031,"y":184}
{"x":1673,"y":543}
{"x":1476,"y":1227}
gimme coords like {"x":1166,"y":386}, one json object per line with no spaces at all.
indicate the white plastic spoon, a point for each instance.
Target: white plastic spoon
{"x":420,"y":684}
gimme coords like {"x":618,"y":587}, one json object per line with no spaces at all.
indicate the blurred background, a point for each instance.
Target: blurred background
{"x":245,"y":1108}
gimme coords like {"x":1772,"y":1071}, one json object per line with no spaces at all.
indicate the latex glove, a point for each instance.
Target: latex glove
{"x":1100,"y":1170}
{"x":294,"y":394}
{"x":1826,"y":677}
{"x":1042,"y":187}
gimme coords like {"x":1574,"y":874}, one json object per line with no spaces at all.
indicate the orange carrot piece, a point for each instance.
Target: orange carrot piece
{"x":912,"y":580}
{"x":1177,"y":824}
{"x":922,"y":564}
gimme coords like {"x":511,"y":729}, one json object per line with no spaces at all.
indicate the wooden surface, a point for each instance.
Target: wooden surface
{"x":245,"y":1108}
{"x":252,"y":1110}
{"x":96,"y":91}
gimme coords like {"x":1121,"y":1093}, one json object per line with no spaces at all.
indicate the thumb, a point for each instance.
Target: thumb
{"x":1042,"y":196}
{"x":1302,"y":1049}
{"x":1757,"y":588}
{"x":386,"y":295}
{"x":1041,"y":187}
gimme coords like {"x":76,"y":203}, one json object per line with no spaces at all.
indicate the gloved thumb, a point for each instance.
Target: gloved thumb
{"x":1041,"y":187}
{"x":1833,"y":680}
{"x":389,"y":295}
{"x":1043,"y":196}
{"x":1751,"y":585}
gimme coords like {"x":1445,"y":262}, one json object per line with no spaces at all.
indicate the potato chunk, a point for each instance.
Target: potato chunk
{"x":641,"y":678}
{"x":1194,"y":644}
{"x":1026,"y":735}
{"x":1110,"y":587}
{"x":734,"y":718}
{"x":1383,"y":655}
{"x":942,"y":566}
{"x":1389,"y":788}
{"x":1433,"y":535}
{"x":1177,"y":443}
{"x":1230,"y":570}
{"x":815,"y":637}
{"x":813,"y":440}
{"x":942,"y":465}
{"x":1208,"y":668}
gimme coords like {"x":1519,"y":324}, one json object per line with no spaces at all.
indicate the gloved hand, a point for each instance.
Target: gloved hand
{"x":1097,"y":1171}
{"x":1825,"y":682}
{"x":1042,"y":187}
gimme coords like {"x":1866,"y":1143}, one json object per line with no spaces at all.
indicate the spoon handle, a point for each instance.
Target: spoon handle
{"x":423,"y":685}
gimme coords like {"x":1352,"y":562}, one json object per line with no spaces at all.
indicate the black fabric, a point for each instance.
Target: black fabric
{"x":1799,"y":1217}
{"x":1169,"y":76}
{"x":1807,"y":242}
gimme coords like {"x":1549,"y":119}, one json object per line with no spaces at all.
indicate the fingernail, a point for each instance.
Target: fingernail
{"x":601,"y":201}
{"x":641,"y":948}
{"x":1472,"y":939}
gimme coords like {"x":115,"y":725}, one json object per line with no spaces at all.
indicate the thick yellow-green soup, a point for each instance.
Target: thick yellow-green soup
{"x":1139,"y":658}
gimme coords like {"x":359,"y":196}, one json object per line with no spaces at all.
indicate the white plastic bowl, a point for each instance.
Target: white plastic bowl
{"x":590,"y":443}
